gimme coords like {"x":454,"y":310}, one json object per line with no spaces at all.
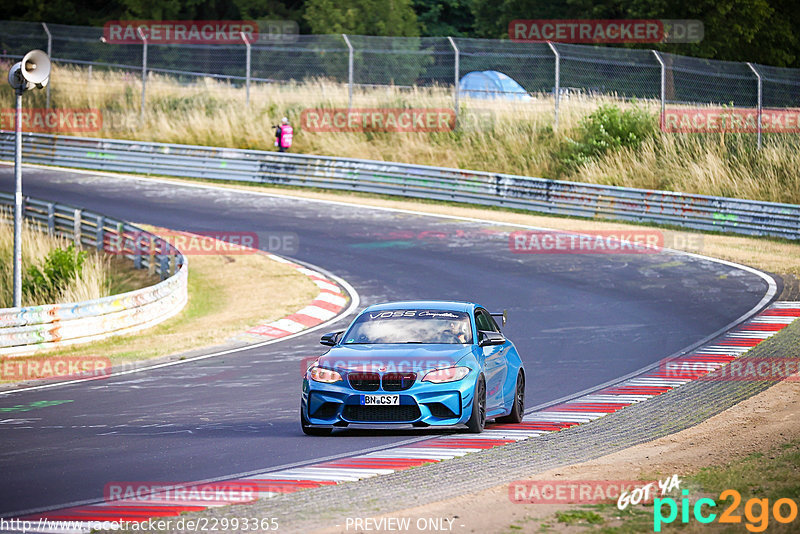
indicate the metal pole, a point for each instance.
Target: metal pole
{"x":144,"y":69}
{"x":18,"y":205}
{"x":663,"y":87}
{"x":349,"y":73}
{"x":558,"y":83}
{"x":456,"y":73}
{"x":758,"y":77}
{"x":49,"y":54}
{"x":247,"y":83}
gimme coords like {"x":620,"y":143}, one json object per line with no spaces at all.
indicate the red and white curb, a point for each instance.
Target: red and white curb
{"x":699,"y":362}
{"x":329,"y":302}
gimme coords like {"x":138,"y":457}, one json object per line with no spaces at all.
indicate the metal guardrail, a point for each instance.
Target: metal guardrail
{"x":555,"y":197}
{"x":26,"y":329}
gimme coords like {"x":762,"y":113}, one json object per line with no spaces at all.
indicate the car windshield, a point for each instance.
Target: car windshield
{"x":410,"y":326}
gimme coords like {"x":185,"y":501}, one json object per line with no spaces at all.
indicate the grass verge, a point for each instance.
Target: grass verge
{"x":771,"y":475}
{"x":595,"y":141}
{"x":98,"y":275}
{"x":227,"y":295}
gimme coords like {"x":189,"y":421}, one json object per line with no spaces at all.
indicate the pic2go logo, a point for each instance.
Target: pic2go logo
{"x":756,"y":511}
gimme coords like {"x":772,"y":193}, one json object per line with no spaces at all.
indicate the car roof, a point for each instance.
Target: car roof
{"x":425,"y":304}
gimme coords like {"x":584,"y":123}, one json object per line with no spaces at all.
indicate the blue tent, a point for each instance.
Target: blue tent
{"x":491,"y":84}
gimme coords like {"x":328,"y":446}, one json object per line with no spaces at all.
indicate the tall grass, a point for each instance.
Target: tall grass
{"x":500,"y":136}
{"x":92,"y":281}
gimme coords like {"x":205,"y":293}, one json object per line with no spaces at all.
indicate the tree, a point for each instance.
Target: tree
{"x":362,"y":17}
{"x":760,"y":31}
{"x":445,"y":17}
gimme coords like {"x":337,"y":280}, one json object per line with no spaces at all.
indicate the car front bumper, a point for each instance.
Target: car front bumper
{"x":423,"y":404}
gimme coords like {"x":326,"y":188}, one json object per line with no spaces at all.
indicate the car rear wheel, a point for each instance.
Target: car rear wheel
{"x":518,"y":410}
{"x":478,"y":418}
{"x":309,"y":430}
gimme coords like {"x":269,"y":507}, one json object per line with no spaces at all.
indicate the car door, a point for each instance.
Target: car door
{"x":494,"y":364}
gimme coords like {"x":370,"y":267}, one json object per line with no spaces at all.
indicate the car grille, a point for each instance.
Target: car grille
{"x":365,"y":381}
{"x":403,"y":412}
{"x":361,"y":381}
{"x":398,"y":381}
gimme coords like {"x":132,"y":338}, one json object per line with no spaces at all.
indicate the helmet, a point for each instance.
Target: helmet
{"x":285,"y":120}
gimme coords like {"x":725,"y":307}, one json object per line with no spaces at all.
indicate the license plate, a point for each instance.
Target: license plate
{"x":380,"y":400}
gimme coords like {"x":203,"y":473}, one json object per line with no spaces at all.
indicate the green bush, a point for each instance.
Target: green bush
{"x":607,"y":128}
{"x":59,"y":268}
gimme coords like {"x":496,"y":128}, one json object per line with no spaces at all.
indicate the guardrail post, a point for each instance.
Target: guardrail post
{"x":349,"y":73}
{"x":663,"y":87}
{"x":173,"y":259}
{"x":151,"y":255}
{"x":50,"y":55}
{"x":456,"y":79}
{"x":758,"y":77}
{"x":51,"y":218}
{"x":164,"y":264}
{"x":76,"y":228}
{"x":137,"y":254}
{"x":99,"y":234}
{"x":557,"y":83}
{"x":144,"y":69}
{"x":120,"y":241}
{"x":247,"y":69}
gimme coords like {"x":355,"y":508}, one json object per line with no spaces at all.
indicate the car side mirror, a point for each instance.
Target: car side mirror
{"x":487,"y":338}
{"x":331,"y":338}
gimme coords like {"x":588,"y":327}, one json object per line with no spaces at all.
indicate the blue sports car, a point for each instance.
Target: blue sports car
{"x":420,"y":363}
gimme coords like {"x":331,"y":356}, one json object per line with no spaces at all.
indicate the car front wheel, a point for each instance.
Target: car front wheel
{"x":478,"y":418}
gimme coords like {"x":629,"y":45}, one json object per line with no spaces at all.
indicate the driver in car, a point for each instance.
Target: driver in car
{"x":456,"y":332}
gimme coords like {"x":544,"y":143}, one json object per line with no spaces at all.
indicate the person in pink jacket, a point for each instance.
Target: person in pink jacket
{"x":283,"y":135}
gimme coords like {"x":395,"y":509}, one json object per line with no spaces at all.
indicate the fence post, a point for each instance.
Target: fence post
{"x":247,"y":67}
{"x":558,"y":83}
{"x":144,"y":69}
{"x":758,"y":77}
{"x":349,"y":73}
{"x":663,"y":87}
{"x":456,"y":73}
{"x":50,"y":55}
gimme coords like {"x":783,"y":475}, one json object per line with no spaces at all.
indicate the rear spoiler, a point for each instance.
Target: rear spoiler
{"x":503,"y":314}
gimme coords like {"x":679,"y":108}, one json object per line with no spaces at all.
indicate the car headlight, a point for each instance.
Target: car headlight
{"x":320,"y":374}
{"x":449,"y":374}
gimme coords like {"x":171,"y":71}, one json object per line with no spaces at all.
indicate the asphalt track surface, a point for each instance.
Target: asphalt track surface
{"x":577,"y":321}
